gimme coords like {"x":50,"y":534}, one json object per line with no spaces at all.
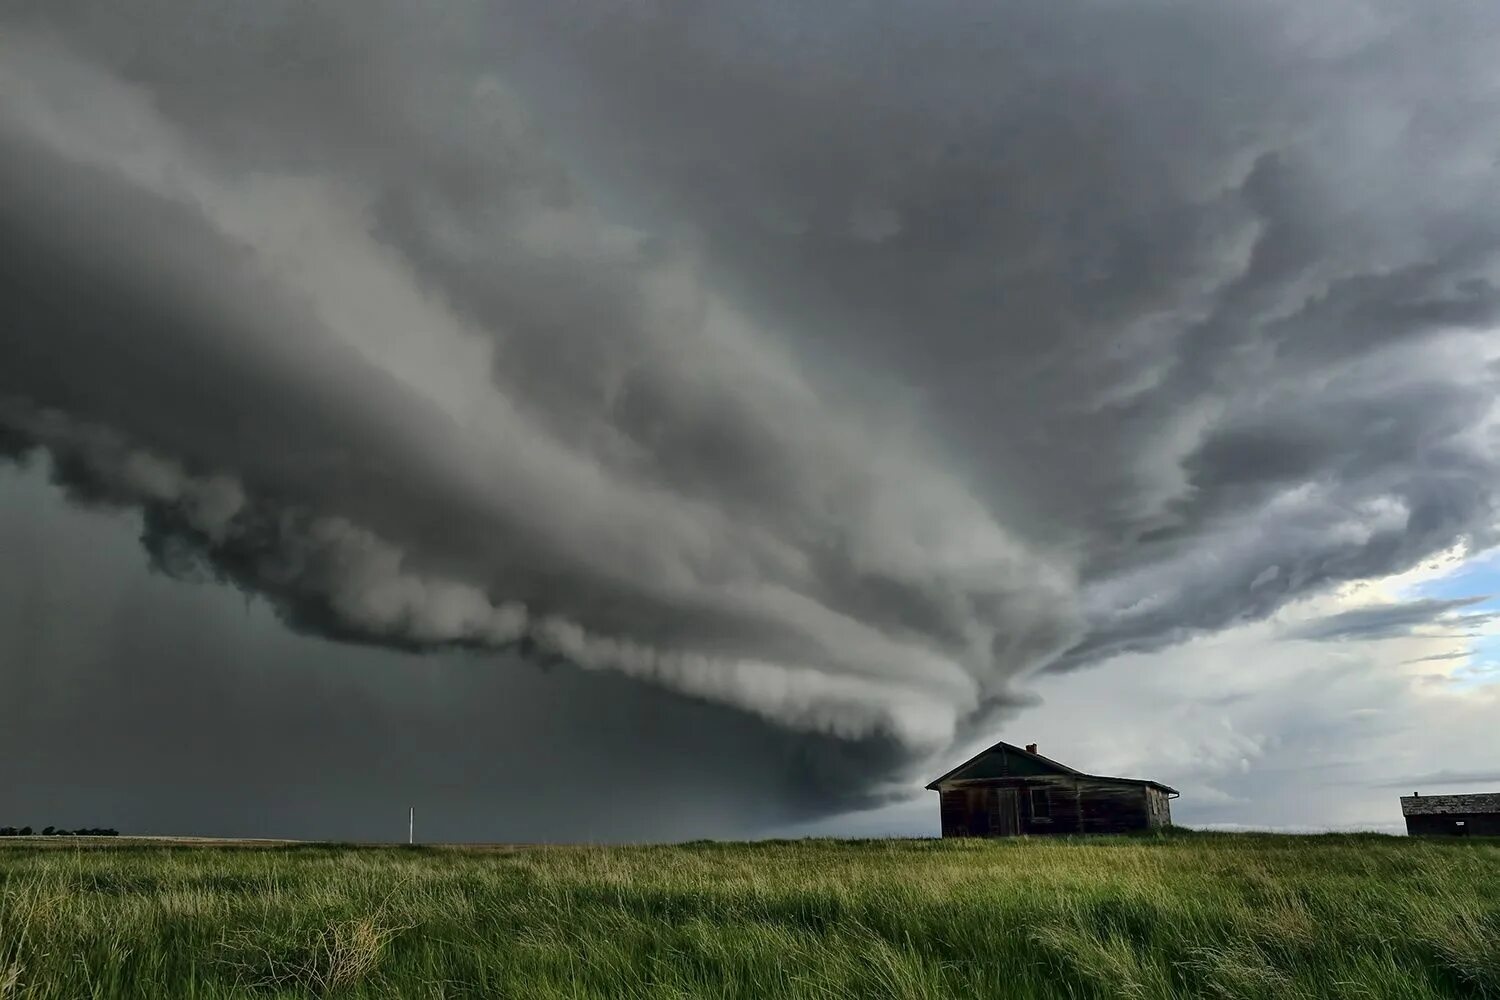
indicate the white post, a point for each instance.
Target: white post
{"x":411,"y":822}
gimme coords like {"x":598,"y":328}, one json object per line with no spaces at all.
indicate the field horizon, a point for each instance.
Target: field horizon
{"x":1180,"y":914}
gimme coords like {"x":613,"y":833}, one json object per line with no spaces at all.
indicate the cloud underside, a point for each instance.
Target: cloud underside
{"x":1406,"y":619}
{"x":1435,"y":778}
{"x":846,"y":373}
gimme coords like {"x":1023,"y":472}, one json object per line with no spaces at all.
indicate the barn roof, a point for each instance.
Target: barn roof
{"x":1442,"y":805}
{"x":1046,"y":763}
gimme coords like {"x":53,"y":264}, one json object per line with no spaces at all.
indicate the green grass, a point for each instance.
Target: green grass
{"x":1176,"y":916}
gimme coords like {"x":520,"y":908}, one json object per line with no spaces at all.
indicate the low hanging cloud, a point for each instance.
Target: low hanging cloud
{"x":677,"y":503}
{"x":845,"y":368}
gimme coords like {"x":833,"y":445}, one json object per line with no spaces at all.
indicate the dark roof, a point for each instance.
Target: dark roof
{"x":1048,"y":762}
{"x":1442,"y":805}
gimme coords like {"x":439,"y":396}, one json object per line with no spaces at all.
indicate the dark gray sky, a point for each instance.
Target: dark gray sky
{"x":606,"y":421}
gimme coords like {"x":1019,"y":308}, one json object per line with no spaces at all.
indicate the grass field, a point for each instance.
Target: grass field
{"x":1175,"y":916}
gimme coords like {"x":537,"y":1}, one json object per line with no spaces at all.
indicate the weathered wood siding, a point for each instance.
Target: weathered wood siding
{"x":980,"y":810}
{"x":1158,"y":808}
{"x":1454,"y":825}
{"x":1471,"y":815}
{"x":1049,"y":804}
{"x":954,"y":810}
{"x":1114,"y":808}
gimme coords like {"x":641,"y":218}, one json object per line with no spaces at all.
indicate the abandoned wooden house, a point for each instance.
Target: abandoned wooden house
{"x":1005,"y":791}
{"x":1452,"y":815}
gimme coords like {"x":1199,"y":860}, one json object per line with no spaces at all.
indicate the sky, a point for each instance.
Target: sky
{"x":596,"y":421}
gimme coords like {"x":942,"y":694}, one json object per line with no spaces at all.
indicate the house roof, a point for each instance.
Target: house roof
{"x":1049,"y":764}
{"x":1441,"y":805}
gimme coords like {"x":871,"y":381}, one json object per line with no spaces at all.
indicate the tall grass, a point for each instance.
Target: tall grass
{"x":1176,"y":916}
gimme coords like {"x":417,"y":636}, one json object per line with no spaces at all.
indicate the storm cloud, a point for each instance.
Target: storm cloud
{"x":1446,"y":778}
{"x":1389,"y":621}
{"x":844,"y":369}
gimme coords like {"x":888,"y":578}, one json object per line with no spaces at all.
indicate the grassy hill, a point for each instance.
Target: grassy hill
{"x":1175,"y":916}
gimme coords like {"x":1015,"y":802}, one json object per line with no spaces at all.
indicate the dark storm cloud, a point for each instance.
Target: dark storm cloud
{"x":382,"y":468}
{"x":1205,"y":335}
{"x":841,"y":368}
{"x":134,"y":701}
{"x":1394,"y":621}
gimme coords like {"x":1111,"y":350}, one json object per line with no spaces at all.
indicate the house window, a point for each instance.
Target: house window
{"x":1041,"y":804}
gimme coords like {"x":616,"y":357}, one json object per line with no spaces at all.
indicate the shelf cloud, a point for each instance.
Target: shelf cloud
{"x":848,"y":369}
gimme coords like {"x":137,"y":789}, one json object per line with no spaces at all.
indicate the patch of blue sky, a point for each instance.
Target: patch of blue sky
{"x":1481,"y":671}
{"x":1477,"y":576}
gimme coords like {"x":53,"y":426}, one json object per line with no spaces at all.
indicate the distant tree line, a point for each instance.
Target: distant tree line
{"x":52,"y":831}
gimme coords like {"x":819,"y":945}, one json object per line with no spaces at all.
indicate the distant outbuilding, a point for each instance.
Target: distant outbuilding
{"x":1006,"y":790}
{"x":1452,"y":815}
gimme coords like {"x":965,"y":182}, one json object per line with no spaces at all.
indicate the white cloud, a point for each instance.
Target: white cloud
{"x":1263,"y":732}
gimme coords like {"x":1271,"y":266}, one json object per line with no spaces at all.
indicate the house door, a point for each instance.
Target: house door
{"x":1005,"y":821}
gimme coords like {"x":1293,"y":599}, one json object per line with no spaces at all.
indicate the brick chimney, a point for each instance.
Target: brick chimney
{"x":1031,"y":748}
